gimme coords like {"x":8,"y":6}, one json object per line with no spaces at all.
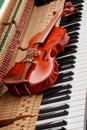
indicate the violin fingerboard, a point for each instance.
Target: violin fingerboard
{"x":54,"y":7}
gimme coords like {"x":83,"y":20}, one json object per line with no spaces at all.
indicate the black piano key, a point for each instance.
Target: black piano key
{"x":56,"y":94}
{"x":73,"y":18}
{"x":52,"y":114}
{"x":64,"y":77}
{"x":68,"y":78}
{"x":61,"y":128}
{"x":69,"y":50}
{"x":74,"y":35}
{"x":51,"y":125}
{"x":57,"y":89}
{"x":66,"y":63}
{"x":66,"y":67}
{"x":74,"y":2}
{"x":76,"y":20}
{"x":65,"y":74}
{"x":72,"y":41}
{"x":67,"y":59}
{"x":80,"y":7}
{"x":73,"y":27}
{"x":57,"y":99}
{"x":56,"y":128}
{"x":53,"y":108}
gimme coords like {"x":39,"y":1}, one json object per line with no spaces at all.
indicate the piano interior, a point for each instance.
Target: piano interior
{"x":63,"y":106}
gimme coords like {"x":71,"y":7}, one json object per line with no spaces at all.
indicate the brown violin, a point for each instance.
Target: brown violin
{"x":39,"y":69}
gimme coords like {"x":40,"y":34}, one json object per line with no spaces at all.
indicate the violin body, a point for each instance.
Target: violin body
{"x":44,"y":71}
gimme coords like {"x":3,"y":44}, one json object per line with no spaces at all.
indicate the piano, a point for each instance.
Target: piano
{"x":63,"y":106}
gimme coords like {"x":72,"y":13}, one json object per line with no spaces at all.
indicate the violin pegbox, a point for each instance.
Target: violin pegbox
{"x":69,"y":9}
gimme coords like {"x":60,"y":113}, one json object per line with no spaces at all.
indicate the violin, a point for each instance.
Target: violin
{"x":39,"y":69}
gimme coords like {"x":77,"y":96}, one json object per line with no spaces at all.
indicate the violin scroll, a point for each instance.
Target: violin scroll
{"x":69,"y":9}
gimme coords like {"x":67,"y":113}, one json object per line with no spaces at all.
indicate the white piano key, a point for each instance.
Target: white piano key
{"x":76,"y":108}
{"x":74,"y":120}
{"x":71,"y":103}
{"x":71,"y":119}
{"x":74,"y":126}
{"x":81,"y":128}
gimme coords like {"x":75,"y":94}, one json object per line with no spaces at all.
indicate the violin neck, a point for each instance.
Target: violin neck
{"x":50,"y":26}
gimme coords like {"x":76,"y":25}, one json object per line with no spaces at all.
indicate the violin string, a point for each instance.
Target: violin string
{"x":53,"y":8}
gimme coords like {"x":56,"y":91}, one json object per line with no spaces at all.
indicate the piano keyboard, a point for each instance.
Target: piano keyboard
{"x":63,"y":106}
